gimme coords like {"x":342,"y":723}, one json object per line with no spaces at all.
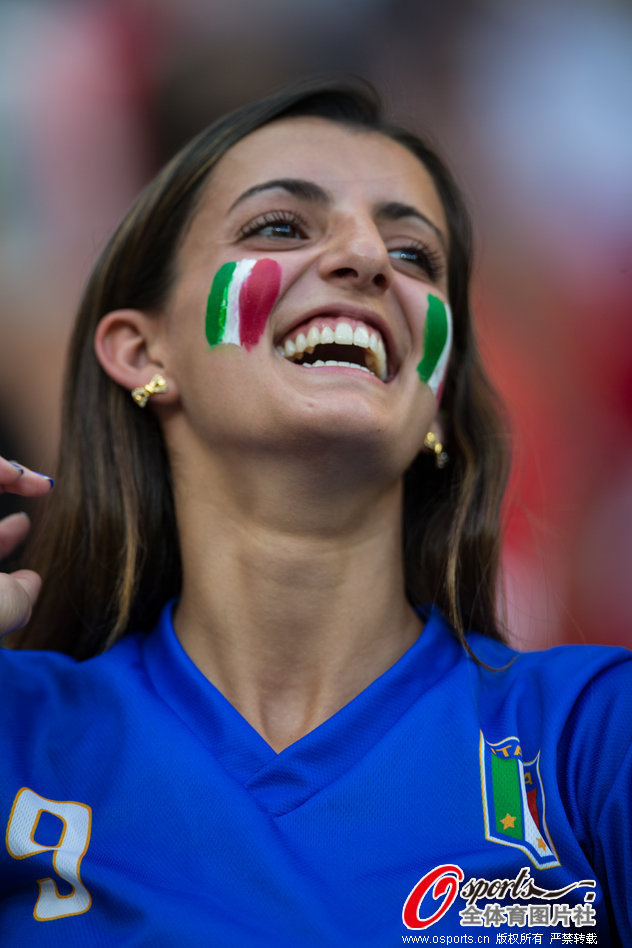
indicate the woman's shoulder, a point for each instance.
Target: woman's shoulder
{"x":561,"y":666}
{"x":500,"y":668}
{"x":48,"y":675}
{"x":535,"y":694}
{"x":572,"y":697}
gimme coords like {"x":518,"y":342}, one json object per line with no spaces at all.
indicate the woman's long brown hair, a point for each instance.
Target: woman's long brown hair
{"x":107,"y":546}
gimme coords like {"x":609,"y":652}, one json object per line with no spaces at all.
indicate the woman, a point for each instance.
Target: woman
{"x":272,"y":740}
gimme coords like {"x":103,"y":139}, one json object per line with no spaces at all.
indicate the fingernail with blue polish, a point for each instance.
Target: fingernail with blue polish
{"x":18,"y":466}
{"x":46,"y":478}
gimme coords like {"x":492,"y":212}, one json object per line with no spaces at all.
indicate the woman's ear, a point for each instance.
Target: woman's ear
{"x":128,"y":351}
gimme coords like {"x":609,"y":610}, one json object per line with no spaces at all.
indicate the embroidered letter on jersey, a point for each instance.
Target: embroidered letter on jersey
{"x":75,"y":823}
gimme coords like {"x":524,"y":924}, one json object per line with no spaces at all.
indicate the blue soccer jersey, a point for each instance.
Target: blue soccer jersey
{"x":141,"y":809}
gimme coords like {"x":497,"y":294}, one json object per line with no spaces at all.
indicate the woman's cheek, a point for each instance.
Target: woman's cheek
{"x":240,"y":301}
{"x":437,"y":345}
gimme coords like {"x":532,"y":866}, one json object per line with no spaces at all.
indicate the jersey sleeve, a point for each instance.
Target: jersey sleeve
{"x":595,"y":766}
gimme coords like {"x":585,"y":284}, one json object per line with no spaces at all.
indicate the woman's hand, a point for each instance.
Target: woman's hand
{"x":18,"y":590}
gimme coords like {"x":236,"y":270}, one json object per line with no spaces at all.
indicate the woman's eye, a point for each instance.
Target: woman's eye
{"x":424,"y":258}
{"x":281,"y":225}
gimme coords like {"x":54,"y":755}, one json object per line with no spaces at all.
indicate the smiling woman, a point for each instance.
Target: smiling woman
{"x":455,"y":565}
{"x":273,"y":573}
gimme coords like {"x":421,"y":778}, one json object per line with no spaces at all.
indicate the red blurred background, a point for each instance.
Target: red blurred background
{"x":530,"y":104}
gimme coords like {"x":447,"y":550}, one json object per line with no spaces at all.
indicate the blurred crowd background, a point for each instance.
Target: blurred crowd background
{"x":530,"y":101}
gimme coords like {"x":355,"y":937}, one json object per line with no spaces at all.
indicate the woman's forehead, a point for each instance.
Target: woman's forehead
{"x":342,"y":159}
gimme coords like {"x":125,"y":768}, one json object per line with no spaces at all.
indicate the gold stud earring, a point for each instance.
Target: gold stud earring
{"x":156,"y":385}
{"x":433,"y":444}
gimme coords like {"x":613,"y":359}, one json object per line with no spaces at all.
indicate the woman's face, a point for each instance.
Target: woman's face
{"x":310,"y":291}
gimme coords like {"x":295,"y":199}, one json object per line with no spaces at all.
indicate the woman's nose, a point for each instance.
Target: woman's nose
{"x":356,"y":257}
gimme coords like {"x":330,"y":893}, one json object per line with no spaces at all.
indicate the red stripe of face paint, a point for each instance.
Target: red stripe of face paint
{"x":256,"y":299}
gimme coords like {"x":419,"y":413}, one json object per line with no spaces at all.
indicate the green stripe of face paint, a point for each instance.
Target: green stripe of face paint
{"x":217,"y":304}
{"x":507,"y":796}
{"x":436,"y":337}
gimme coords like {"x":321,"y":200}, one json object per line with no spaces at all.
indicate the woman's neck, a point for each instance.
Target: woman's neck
{"x":293,"y":597}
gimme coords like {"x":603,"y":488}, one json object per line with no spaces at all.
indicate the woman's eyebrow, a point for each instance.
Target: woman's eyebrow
{"x":298,"y":187}
{"x":309,"y":191}
{"x":394,"y":211}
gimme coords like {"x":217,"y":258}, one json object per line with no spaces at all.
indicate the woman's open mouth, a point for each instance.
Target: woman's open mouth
{"x":337,"y":341}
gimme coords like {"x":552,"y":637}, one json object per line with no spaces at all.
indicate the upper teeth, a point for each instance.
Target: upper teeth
{"x":343,"y":335}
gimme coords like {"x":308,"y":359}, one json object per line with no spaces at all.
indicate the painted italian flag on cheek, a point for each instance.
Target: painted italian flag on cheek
{"x":437,"y":345}
{"x":240,"y":301}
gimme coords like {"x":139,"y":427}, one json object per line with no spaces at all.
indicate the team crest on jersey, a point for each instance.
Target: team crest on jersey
{"x":513,"y":801}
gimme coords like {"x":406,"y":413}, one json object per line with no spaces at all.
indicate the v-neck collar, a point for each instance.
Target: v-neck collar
{"x":280,"y":782}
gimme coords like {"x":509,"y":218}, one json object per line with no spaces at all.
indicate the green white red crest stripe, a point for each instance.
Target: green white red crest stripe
{"x":513,"y":801}
{"x":240,"y":301}
{"x":437,"y":344}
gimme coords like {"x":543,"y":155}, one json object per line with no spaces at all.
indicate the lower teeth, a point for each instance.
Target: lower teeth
{"x":349,"y":365}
